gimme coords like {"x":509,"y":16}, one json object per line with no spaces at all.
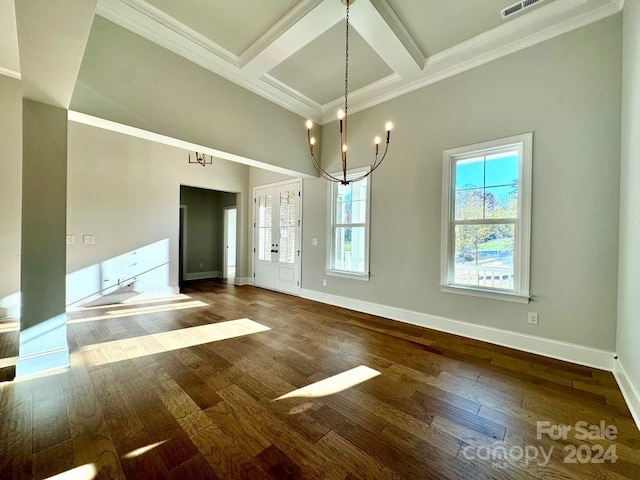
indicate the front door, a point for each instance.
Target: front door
{"x":277,"y":230}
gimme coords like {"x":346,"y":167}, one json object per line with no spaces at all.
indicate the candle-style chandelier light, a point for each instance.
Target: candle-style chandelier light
{"x":343,"y":127}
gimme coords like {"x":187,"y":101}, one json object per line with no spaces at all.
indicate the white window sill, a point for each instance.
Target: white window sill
{"x":355,"y":276}
{"x":492,"y":294}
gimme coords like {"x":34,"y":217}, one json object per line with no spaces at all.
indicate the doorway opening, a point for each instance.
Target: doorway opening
{"x":208,"y":234}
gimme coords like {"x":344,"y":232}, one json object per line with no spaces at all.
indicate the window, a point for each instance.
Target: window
{"x":348,"y":250}
{"x":486,"y":219}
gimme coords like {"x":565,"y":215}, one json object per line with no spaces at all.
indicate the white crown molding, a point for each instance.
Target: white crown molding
{"x":540,"y":25}
{"x":377,"y":24}
{"x":10,"y":73}
{"x":569,"y":352}
{"x":357,"y":97}
{"x":283,"y":87}
{"x":629,"y":390}
{"x":181,"y":40}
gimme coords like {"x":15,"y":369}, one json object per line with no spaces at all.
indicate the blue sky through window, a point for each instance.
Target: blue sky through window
{"x":501,"y":169}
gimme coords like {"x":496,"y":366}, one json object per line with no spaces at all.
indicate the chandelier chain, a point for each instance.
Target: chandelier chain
{"x":346,"y":66}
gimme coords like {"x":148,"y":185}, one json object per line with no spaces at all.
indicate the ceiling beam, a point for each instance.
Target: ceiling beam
{"x":381,"y":28}
{"x":308,"y":28}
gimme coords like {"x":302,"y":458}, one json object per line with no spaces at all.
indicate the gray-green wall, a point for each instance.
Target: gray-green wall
{"x":10,"y":194}
{"x":629,"y":276}
{"x":126,"y":192}
{"x":567,"y":91}
{"x":205,"y":228}
{"x":133,"y":81}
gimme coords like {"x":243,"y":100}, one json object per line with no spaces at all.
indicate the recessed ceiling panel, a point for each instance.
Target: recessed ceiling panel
{"x":317,"y":70}
{"x":9,"y":58}
{"x":234,"y":25}
{"x":437,"y":25}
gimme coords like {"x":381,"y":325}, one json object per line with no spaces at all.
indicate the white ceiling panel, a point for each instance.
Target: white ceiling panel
{"x":234,"y":25}
{"x":317,"y":70}
{"x":437,"y":25}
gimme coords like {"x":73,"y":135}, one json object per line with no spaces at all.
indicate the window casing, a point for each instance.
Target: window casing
{"x":348,"y":235}
{"x":486,"y":219}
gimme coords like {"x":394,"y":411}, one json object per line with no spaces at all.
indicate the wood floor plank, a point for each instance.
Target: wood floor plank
{"x":140,"y":402}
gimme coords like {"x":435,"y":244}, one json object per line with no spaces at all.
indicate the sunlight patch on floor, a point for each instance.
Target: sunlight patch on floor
{"x":127,"y":303}
{"x":85,"y":472}
{"x":333,"y":385}
{"x":6,"y":327}
{"x":139,"y":311}
{"x":142,"y":450}
{"x":130,"y":348}
{"x":8,"y":362}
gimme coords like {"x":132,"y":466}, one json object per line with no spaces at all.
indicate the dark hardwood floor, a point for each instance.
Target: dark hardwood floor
{"x":178,"y":389}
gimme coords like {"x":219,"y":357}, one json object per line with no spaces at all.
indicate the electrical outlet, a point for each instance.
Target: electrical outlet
{"x":88,"y":239}
{"x":314,"y":242}
{"x":71,"y":239}
{"x":201,"y":265}
{"x":324,"y":282}
{"x":533,"y":318}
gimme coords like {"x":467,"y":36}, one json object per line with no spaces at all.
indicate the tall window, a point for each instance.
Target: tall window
{"x":349,"y":221}
{"x":486,"y":219}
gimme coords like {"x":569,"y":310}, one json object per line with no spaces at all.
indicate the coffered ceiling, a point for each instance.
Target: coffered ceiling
{"x":292,"y":52}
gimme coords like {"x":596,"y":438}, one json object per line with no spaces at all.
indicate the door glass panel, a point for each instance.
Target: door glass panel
{"x":288,"y":221}
{"x":265,"y":218}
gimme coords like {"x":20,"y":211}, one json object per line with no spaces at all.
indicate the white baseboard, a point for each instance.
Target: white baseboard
{"x":629,"y":390}
{"x":31,"y":365}
{"x":570,"y":352}
{"x":202,"y":275}
{"x":243,"y":281}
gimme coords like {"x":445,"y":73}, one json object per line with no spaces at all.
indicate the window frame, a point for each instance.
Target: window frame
{"x":331,"y":207}
{"x":522,"y":224}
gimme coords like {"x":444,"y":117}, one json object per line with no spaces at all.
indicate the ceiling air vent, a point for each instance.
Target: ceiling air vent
{"x":517,"y":7}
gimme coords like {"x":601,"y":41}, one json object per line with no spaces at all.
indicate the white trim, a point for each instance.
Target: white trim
{"x":629,"y":390}
{"x":98,"y":122}
{"x":39,"y":363}
{"x":254,"y":251}
{"x":225,"y":232}
{"x":354,"y":276}
{"x":378,"y":25}
{"x":332,"y":189}
{"x":547,"y":22}
{"x":240,"y":281}
{"x":524,"y":144}
{"x":482,"y":293}
{"x":569,"y":352}
{"x":184,"y":233}
{"x":7,"y":72}
{"x":203,"y":275}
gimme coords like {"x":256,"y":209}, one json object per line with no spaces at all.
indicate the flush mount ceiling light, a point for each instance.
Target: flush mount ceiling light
{"x":343,"y":126}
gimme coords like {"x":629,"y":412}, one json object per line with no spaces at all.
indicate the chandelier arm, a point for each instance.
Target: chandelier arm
{"x":374,"y":165}
{"x":321,"y":171}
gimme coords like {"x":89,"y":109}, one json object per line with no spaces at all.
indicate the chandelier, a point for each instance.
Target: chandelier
{"x":343,"y":127}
